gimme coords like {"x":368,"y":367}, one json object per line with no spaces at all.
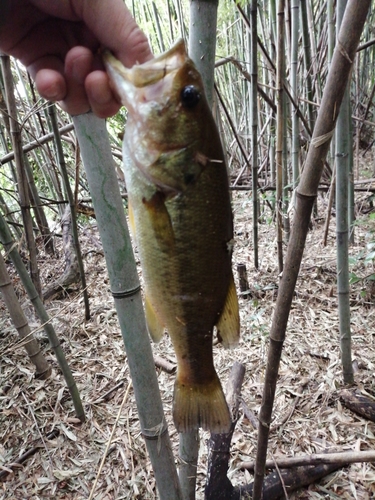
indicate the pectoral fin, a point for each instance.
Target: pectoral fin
{"x":155,"y":328}
{"x":160,"y":220}
{"x":228,"y":326}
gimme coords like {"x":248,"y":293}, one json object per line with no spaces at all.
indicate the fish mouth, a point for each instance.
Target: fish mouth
{"x":143,"y":82}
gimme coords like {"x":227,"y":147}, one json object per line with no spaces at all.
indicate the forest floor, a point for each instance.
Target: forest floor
{"x":308,"y":414}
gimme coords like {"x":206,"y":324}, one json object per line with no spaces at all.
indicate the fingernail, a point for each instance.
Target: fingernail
{"x":53,"y":92}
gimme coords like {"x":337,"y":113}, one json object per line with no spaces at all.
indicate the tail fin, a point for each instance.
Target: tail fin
{"x":201,"y":405}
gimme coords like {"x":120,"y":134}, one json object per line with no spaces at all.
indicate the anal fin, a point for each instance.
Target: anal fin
{"x":228,"y":326}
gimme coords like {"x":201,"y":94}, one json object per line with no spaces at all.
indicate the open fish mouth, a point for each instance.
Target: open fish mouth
{"x":143,"y":82}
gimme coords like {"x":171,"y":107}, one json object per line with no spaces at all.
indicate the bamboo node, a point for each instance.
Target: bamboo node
{"x":318,"y":141}
{"x":121,"y":294}
{"x":343,"y":52}
{"x":155,"y":432}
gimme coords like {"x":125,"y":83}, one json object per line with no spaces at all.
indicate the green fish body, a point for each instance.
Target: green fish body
{"x":180,"y":212}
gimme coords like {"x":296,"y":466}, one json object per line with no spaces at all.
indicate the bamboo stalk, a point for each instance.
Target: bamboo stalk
{"x":342,"y":227}
{"x":37,"y":207}
{"x":332,"y":191}
{"x":68,"y":189}
{"x":307,"y":62}
{"x":280,"y":130}
{"x":7,"y":241}
{"x":37,"y":143}
{"x":202,"y":49}
{"x":101,"y":176}
{"x":254,"y":125}
{"x":352,"y":25}
{"x":23,"y":189}
{"x":43,"y":369}
{"x":188,"y":451}
{"x":339,"y":458}
{"x":294,"y":91}
{"x":202,"y":41}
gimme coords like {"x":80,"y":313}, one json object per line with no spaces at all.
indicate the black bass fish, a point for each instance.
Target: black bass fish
{"x":180,"y":210}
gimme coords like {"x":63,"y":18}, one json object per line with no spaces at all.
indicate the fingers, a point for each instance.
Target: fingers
{"x":112,"y":24}
{"x":102,"y":101}
{"x":50,"y":84}
{"x":72,"y":75}
{"x":76,"y":85}
{"x":78,"y":64}
{"x":48,"y":75}
{"x":87,"y":88}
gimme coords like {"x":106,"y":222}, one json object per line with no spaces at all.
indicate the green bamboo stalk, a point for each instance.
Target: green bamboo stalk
{"x":309,"y":70}
{"x":254,"y":123}
{"x":44,"y":157}
{"x":109,"y":210}
{"x":39,"y":213}
{"x":170,"y":21}
{"x":342,"y":233}
{"x":272,"y":159}
{"x":8,"y":294}
{"x":294,"y":88}
{"x":308,"y":63}
{"x":287,"y":33}
{"x":188,"y":452}
{"x":158,"y":27}
{"x":34,"y":129}
{"x":332,"y":150}
{"x":202,"y":48}
{"x":351,"y":200}
{"x":280,"y":65}
{"x":273,"y":24}
{"x":36,"y":144}
{"x":352,"y":25}
{"x":285,"y":159}
{"x":180,"y":19}
{"x":202,"y":41}
{"x":68,"y":189}
{"x":312,"y":31}
{"x":331,"y":47}
{"x":9,"y":244}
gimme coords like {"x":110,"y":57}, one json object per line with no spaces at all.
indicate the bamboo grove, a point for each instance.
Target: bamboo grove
{"x":272,"y":85}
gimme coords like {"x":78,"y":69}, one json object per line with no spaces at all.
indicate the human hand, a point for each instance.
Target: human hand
{"x":58,"y":43}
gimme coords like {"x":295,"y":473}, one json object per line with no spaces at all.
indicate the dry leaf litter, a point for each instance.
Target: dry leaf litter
{"x":308,"y":416}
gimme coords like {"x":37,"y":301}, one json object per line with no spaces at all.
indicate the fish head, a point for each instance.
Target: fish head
{"x":167,"y":116}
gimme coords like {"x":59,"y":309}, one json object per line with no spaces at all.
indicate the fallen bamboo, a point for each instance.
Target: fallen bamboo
{"x":339,"y":458}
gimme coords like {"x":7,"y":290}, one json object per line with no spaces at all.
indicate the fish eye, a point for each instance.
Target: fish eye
{"x":190,"y":96}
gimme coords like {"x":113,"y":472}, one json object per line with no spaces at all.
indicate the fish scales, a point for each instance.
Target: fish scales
{"x":180,"y":208}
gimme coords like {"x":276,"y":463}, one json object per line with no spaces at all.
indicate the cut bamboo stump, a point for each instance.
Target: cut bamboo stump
{"x":243,"y":281}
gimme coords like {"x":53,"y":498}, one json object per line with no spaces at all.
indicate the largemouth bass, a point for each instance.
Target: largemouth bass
{"x":180,"y":210}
